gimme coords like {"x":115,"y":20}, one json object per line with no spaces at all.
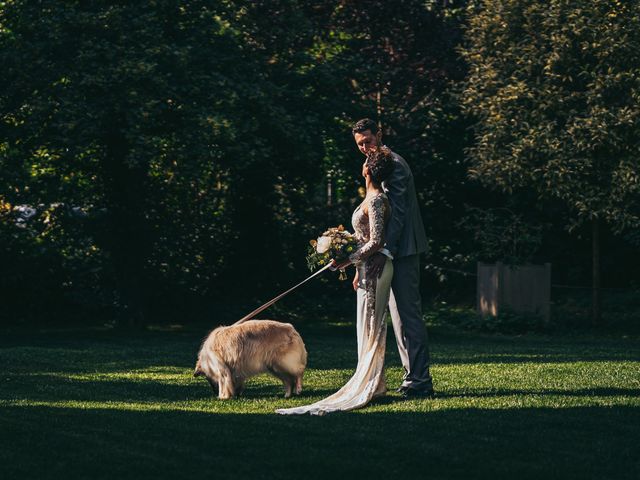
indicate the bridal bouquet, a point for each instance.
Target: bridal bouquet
{"x":336,"y":243}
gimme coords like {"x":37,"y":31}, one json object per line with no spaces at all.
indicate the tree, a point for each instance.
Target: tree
{"x":554,"y":89}
{"x":162,"y":122}
{"x":397,"y":62}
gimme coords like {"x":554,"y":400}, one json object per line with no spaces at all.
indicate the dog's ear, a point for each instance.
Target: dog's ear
{"x":198,"y":371}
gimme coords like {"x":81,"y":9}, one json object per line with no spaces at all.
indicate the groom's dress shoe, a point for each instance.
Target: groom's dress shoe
{"x":410,"y":393}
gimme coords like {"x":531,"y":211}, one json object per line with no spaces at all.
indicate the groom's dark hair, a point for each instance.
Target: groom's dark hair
{"x":364,"y":125}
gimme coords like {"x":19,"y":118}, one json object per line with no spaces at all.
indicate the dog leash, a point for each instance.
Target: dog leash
{"x":274,"y":300}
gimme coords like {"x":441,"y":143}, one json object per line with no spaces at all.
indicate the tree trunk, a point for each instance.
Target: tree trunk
{"x":595,"y":299}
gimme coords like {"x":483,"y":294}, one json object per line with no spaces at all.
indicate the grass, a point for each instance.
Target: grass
{"x":102,"y":404}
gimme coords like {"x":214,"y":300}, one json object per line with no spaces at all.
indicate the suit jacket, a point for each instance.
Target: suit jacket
{"x":405,"y":232}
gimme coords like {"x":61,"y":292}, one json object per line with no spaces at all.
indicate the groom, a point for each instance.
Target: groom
{"x":405,"y":241}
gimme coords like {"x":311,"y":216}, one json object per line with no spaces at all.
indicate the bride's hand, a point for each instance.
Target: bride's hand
{"x":337,"y":266}
{"x":356,"y":279}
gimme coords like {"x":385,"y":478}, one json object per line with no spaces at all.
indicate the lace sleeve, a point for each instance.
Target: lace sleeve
{"x":376,"y":215}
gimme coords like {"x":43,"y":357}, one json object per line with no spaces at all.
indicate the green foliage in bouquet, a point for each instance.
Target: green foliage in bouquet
{"x":335,"y":243}
{"x":316,"y":260}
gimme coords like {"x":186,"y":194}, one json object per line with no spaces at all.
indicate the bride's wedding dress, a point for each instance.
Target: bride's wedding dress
{"x":373,"y":296}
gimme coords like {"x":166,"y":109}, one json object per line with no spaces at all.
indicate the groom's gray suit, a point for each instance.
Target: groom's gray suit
{"x":406,"y":240}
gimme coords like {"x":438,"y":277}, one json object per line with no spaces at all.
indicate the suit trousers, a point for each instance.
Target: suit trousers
{"x":405,"y":306}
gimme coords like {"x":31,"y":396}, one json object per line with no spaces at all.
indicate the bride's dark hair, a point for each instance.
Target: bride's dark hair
{"x":380,"y":164}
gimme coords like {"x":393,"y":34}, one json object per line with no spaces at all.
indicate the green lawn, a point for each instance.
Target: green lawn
{"x":100,"y":404}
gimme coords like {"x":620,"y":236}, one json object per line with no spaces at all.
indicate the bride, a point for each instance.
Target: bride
{"x":369,"y":222}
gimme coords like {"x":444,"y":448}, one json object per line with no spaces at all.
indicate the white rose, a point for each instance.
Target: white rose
{"x":324,"y":243}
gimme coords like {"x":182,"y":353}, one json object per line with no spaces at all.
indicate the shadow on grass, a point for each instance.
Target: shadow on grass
{"x":589,"y":442}
{"x":329,"y":347}
{"x":51,"y":387}
{"x":583,"y":392}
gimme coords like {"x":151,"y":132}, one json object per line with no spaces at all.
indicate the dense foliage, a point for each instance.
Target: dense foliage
{"x":164,"y":129}
{"x":167,"y":159}
{"x":556,"y":89}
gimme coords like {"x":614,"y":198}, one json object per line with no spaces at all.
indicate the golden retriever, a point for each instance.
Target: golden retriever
{"x":232,"y":354}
